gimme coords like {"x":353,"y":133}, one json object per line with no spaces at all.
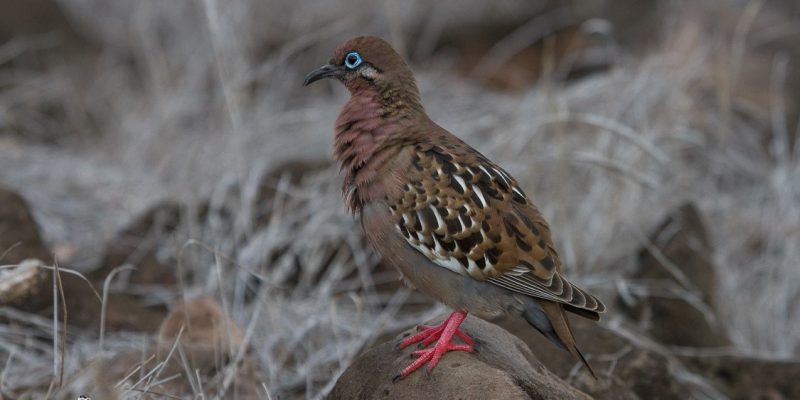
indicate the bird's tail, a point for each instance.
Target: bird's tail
{"x":549,"y":318}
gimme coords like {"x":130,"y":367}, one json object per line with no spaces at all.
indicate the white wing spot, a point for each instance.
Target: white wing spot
{"x":485,"y":237}
{"x":473,"y":268}
{"x":422,"y":222}
{"x":504,"y":176}
{"x":478,"y":191}
{"x":518,"y":270}
{"x":489,"y":265}
{"x":439,"y":221}
{"x":437,"y":248}
{"x":460,"y":223}
{"x":463,"y":224}
{"x":451,"y":264}
{"x":461,"y":182}
{"x":448,"y":262}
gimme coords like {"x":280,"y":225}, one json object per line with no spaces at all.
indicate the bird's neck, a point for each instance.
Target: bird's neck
{"x":370,"y":131}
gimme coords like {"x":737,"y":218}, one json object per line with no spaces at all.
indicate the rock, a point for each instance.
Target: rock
{"x":677,"y":266}
{"x":124,"y":312}
{"x":27,"y":287}
{"x":19,"y":232}
{"x":30,"y":286}
{"x":750,"y":378}
{"x":206,"y":334}
{"x":137,"y":244}
{"x":502,"y":368}
{"x":209,"y":340}
{"x":25,"y":18}
{"x":32,"y":17}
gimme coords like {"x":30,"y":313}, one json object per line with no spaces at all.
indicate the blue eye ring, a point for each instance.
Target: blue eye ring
{"x":352,"y":60}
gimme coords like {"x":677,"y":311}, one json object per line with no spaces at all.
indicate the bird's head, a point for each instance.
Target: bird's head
{"x":367,"y":62}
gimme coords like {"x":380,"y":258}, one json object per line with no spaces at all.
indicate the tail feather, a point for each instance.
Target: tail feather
{"x":592,"y":315}
{"x":549,"y":318}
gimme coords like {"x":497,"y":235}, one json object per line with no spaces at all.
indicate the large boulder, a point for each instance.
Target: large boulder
{"x":502,"y":368}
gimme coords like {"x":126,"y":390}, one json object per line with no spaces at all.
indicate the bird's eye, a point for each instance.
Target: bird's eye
{"x":352,"y":60}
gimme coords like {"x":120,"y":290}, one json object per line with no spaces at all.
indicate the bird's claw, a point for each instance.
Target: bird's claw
{"x":431,"y":356}
{"x":443,"y":335}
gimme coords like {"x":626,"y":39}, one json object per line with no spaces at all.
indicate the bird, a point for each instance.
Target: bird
{"x":455,"y":224}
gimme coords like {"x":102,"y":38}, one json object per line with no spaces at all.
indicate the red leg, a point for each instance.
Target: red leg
{"x":444,"y":333}
{"x":428,"y":334}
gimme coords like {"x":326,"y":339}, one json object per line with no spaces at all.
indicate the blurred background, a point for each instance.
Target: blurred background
{"x":158,"y":152}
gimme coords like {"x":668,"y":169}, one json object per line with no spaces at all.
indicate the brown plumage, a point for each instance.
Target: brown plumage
{"x":457,"y":226}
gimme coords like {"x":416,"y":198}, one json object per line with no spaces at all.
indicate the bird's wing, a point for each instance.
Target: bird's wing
{"x":468,"y":215}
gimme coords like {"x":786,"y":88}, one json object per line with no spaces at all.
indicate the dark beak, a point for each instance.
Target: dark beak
{"x":325,"y":71}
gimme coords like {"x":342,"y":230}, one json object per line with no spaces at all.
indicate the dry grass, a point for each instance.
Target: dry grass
{"x":195,"y":100}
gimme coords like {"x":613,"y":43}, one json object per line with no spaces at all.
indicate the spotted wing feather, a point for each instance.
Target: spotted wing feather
{"x":468,"y":215}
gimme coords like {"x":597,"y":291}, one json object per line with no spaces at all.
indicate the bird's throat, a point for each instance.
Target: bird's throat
{"x":365,"y":133}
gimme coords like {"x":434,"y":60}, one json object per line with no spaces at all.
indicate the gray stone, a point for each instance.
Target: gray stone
{"x":502,"y":368}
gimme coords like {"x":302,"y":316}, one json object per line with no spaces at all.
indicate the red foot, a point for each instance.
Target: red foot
{"x":444,"y":332}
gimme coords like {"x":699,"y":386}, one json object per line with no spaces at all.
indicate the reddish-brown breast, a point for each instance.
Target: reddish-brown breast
{"x":367,"y":139}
